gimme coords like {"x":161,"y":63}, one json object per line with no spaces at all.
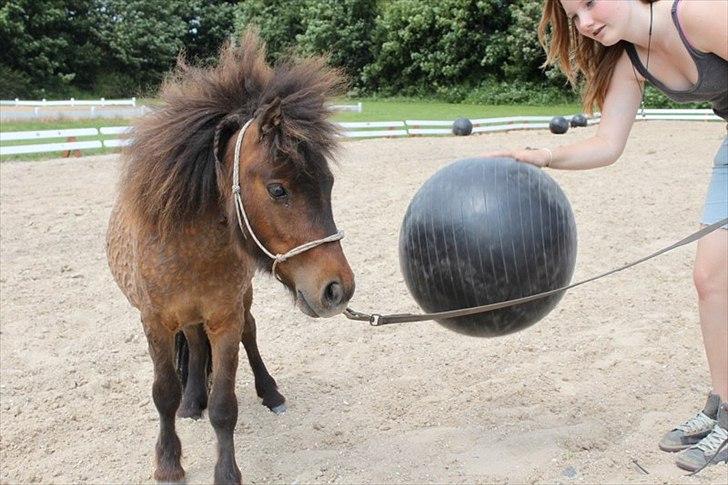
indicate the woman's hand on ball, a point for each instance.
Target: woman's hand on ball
{"x":537,"y":157}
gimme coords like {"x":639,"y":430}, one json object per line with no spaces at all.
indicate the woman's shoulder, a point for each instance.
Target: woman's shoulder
{"x":705,"y":24}
{"x":625,"y":68}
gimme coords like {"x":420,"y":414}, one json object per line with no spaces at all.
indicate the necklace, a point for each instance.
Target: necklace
{"x":647,"y":65}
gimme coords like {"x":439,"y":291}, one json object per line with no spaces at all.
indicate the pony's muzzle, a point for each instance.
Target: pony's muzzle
{"x":331,"y":299}
{"x":321,"y":279}
{"x":336,"y":296}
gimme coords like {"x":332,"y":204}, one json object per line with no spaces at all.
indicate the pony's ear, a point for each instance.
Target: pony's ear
{"x":271,"y":117}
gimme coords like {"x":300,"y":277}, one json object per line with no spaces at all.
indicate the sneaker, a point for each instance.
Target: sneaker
{"x":694,"y":429}
{"x":711,"y":449}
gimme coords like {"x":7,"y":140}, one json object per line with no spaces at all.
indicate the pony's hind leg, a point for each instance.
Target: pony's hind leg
{"x":265,"y":385}
{"x":223,"y":404}
{"x":166,"y":394}
{"x":195,"y":368}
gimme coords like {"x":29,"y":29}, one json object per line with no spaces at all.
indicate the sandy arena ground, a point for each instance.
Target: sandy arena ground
{"x":576,"y":398}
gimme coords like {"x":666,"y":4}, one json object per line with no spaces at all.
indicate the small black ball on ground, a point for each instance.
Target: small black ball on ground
{"x":462,"y":127}
{"x":559,"y":125}
{"x":579,"y":121}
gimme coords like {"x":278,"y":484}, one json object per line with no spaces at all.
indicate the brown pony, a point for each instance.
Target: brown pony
{"x":185,"y":237}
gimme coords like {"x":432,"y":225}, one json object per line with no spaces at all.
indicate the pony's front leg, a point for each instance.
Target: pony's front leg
{"x":166,"y":394}
{"x":223,"y":404}
{"x":265,"y":385}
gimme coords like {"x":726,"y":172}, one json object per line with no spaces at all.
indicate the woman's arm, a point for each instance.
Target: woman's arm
{"x":606,"y":146}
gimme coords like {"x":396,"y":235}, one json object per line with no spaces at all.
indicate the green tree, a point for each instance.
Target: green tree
{"x":421,"y":47}
{"x":341,"y":29}
{"x":279,"y":22}
{"x":209,"y":24}
{"x":144,"y":39}
{"x":48,"y":46}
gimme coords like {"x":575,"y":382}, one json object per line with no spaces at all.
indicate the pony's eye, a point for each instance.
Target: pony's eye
{"x":277,"y":191}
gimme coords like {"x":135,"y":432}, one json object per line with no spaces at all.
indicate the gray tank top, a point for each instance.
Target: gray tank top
{"x":712,"y":82}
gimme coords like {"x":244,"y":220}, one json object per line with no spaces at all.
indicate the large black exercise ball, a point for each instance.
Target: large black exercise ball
{"x":486,"y":230}
{"x":559,"y":125}
{"x":462,"y":127}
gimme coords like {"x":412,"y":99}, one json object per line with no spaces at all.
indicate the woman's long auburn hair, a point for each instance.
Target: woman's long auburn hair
{"x":576,"y":55}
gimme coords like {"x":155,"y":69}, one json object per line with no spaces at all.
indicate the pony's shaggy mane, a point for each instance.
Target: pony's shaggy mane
{"x":170,"y":176}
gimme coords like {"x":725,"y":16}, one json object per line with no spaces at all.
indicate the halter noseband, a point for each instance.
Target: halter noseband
{"x":242,"y":216}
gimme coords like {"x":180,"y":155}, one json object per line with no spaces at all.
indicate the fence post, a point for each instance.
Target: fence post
{"x":133,"y":101}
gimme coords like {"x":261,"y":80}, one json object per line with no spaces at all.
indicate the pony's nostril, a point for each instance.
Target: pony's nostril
{"x":333,"y":294}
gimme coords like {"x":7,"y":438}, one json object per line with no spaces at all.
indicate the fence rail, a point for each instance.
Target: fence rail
{"x":366,"y":129}
{"x":42,"y":134}
{"x":357,"y":108}
{"x":70,"y":102}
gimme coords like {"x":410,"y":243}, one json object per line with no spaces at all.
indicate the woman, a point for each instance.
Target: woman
{"x":681,"y":47}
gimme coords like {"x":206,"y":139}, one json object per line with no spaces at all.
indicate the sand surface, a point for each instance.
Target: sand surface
{"x":576,"y":398}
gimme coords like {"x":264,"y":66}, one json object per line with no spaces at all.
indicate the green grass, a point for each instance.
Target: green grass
{"x":374,"y":109}
{"x":36,"y":125}
{"x":413,"y":109}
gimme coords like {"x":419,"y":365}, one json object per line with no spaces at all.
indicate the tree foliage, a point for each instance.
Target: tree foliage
{"x":278,"y":21}
{"x":453,"y":49}
{"x":143,"y":39}
{"x":342,"y":30}
{"x":424,"y":46}
{"x":48,"y":45}
{"x":109,"y":47}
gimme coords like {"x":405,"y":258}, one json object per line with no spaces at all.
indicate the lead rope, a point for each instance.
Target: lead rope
{"x":242,"y":216}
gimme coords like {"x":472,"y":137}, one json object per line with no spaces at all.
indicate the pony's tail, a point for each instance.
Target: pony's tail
{"x":182,"y":358}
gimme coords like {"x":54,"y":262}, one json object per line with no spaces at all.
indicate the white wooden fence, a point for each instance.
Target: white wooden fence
{"x":678,"y":114}
{"x":368,"y":129}
{"x":70,"y":102}
{"x":125,"y":102}
{"x":373,"y":129}
{"x":357,"y":108}
{"x":70,"y":145}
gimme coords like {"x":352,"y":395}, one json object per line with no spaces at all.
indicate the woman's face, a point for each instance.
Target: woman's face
{"x":601,"y":20}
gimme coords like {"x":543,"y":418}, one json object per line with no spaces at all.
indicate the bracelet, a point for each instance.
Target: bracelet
{"x":551,"y":157}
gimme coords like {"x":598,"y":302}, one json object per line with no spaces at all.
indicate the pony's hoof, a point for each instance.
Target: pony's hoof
{"x":174,"y":475}
{"x":229,"y":476}
{"x":274,"y":401}
{"x":280,"y":409}
{"x":180,"y":482}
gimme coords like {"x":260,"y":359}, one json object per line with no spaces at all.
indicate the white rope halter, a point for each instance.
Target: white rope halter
{"x":242,"y":216}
